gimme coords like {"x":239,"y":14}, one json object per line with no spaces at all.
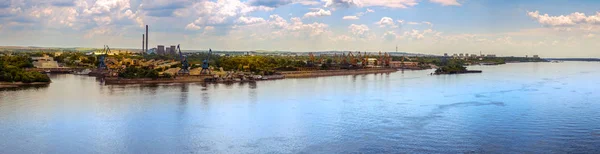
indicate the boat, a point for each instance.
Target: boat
{"x":83,"y":72}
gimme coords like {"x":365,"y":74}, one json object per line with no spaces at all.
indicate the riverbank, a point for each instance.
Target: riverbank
{"x":459,"y":72}
{"x":21,"y":84}
{"x":212,"y":79}
{"x":178,"y":79}
{"x":322,"y":73}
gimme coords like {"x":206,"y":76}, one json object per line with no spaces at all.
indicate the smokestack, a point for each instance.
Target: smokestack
{"x":147,"y":38}
{"x":143,"y":44}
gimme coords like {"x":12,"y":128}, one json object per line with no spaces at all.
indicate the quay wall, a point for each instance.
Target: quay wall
{"x":320,"y":73}
{"x":179,"y":79}
{"x":20,"y":84}
{"x":55,"y":70}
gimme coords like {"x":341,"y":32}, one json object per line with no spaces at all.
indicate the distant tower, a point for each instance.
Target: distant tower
{"x":396,"y":48}
{"x":147,"y":38}
{"x":143,"y":44}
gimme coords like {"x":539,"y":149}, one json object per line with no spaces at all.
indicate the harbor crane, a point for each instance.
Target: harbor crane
{"x":311,"y":59}
{"x":102,"y":57}
{"x":184,"y":63}
{"x":387,"y":59}
{"x":205,"y":63}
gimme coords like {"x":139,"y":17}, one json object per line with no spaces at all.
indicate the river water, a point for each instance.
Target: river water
{"x":512,"y":108}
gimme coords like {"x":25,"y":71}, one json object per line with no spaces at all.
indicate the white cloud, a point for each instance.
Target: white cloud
{"x":446,"y":2}
{"x":565,"y":20}
{"x":295,"y":27}
{"x":350,"y":18}
{"x":390,"y":35}
{"x":250,"y":20}
{"x":386,"y":22}
{"x":98,"y":31}
{"x":428,"y":23}
{"x":317,"y":13}
{"x":342,"y":38}
{"x":418,"y":35}
{"x":222,"y":11}
{"x":192,"y":26}
{"x":368,"y":3}
{"x":359,"y":30}
{"x":342,"y":3}
{"x":358,"y":15}
{"x":307,"y":2}
{"x":391,"y":3}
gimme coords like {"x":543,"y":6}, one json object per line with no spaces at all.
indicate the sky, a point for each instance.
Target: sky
{"x":549,"y":28}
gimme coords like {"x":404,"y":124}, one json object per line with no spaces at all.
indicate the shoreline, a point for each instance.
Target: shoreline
{"x":21,"y":84}
{"x":462,"y":72}
{"x":324,"y":73}
{"x":179,"y":79}
{"x":210,"y":78}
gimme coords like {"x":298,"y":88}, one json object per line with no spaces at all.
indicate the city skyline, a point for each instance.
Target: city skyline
{"x":545,"y":28}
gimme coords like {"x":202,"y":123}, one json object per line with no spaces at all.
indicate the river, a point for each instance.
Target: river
{"x":512,"y":108}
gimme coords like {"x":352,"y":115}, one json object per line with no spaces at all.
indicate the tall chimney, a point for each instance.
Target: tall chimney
{"x":147,"y":38}
{"x":143,"y":44}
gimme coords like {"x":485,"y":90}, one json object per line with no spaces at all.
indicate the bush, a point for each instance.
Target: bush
{"x":11,"y":70}
{"x":134,"y":72}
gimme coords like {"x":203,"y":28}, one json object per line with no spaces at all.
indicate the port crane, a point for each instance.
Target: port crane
{"x":311,"y":61}
{"x":387,"y":59}
{"x":184,"y":63}
{"x":102,"y":57}
{"x":205,"y":63}
{"x":360,"y":59}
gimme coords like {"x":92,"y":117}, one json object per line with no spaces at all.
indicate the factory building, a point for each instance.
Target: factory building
{"x":160,"y":49}
{"x":173,"y":50}
{"x":44,"y":62}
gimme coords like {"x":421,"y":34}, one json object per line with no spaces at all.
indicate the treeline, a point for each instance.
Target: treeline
{"x":136,"y":72}
{"x":258,"y":64}
{"x":12,"y":70}
{"x":451,"y":66}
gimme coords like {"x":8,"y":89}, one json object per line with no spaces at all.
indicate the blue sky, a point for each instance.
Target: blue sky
{"x":549,"y":28}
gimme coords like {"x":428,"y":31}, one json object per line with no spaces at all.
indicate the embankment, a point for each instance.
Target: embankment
{"x":320,"y":73}
{"x":178,"y":79}
{"x":21,"y":84}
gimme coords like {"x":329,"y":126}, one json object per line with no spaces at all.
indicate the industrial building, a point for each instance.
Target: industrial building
{"x":160,"y":49}
{"x":172,"y":51}
{"x":44,"y":62}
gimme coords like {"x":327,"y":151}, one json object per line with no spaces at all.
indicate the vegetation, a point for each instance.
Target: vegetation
{"x":451,"y":67}
{"x":12,"y":70}
{"x":260,"y":64}
{"x":134,"y":72}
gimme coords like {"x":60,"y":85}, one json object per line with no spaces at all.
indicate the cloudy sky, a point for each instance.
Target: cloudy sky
{"x":550,"y":28}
